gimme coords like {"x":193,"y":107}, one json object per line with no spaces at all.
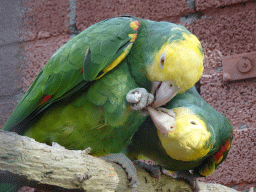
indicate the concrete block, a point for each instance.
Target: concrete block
{"x":11,"y":62}
{"x":6,"y":108}
{"x":11,"y":13}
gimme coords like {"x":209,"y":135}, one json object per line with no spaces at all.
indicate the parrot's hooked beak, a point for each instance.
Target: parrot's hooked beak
{"x":164,"y":119}
{"x":163,"y":92}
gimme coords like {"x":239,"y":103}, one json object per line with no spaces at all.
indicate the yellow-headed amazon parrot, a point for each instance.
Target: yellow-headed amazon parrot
{"x":186,"y":135}
{"x":79,"y":98}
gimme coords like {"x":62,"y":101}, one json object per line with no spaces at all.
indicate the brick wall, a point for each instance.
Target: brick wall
{"x":31,"y":31}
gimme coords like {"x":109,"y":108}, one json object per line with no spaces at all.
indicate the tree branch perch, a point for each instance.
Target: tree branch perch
{"x":56,"y":168}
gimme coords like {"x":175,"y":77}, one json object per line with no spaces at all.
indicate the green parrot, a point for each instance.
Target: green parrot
{"x":79,"y":98}
{"x":187,"y":134}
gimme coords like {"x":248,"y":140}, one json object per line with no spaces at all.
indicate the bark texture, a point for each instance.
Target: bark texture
{"x":55,"y":168}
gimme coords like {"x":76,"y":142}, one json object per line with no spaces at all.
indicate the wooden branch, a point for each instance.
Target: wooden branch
{"x":58,"y":169}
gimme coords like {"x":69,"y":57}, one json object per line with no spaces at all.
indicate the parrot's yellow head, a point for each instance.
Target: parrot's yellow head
{"x":179,"y":62}
{"x":183,"y":135}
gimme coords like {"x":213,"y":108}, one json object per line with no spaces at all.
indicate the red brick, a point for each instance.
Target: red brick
{"x":36,"y":54}
{"x":91,"y":12}
{"x":44,"y":18}
{"x":202,"y":5}
{"x":234,"y":100}
{"x":232,"y":28}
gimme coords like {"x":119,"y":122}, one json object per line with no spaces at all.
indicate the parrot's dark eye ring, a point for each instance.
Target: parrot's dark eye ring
{"x":162,"y":61}
{"x":193,"y":122}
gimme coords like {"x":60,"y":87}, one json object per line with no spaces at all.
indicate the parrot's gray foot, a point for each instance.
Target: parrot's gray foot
{"x":127,"y":164}
{"x":87,"y":150}
{"x":152,"y":169}
{"x":139,"y":98}
{"x":190,"y":178}
{"x":156,"y":171}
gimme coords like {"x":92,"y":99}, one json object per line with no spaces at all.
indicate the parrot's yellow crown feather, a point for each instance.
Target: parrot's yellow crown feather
{"x":179,"y":60}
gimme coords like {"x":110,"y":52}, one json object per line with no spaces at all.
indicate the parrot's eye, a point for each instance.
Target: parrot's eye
{"x":162,"y":59}
{"x":193,"y":122}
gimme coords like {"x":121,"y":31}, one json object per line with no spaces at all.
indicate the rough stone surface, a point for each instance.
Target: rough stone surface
{"x":11,"y":13}
{"x":43,"y":19}
{"x":232,"y":28}
{"x":210,"y":4}
{"x":11,"y":60}
{"x":236,"y":101}
{"x":91,"y":12}
{"x":36,"y":55}
{"x":11,"y":63}
{"x":6,"y":109}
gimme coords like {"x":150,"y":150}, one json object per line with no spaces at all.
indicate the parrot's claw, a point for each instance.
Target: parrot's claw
{"x":152,"y":169}
{"x":87,"y":150}
{"x":190,"y":178}
{"x":156,"y":171}
{"x":127,"y":164}
{"x":139,"y":99}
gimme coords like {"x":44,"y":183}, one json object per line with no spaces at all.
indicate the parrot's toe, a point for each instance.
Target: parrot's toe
{"x":190,"y":178}
{"x":139,"y":98}
{"x":127,"y":164}
{"x":152,"y":169}
{"x":87,"y":150}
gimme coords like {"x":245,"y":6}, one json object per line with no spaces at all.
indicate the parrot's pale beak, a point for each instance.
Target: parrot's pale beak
{"x":164,"y":119}
{"x":163,"y":92}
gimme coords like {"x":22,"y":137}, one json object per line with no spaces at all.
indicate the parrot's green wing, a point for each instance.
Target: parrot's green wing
{"x":83,"y":59}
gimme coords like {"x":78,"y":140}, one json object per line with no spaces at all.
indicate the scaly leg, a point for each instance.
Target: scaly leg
{"x":156,"y":171}
{"x":139,"y":99}
{"x":127,"y":164}
{"x":190,"y":178}
{"x":153,"y":169}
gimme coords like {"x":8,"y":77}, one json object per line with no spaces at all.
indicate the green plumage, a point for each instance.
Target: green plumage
{"x":67,"y":103}
{"x":97,"y":117}
{"x":146,"y":142}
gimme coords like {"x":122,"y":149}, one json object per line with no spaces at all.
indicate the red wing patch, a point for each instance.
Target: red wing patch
{"x":223,"y":149}
{"x":46,"y":98}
